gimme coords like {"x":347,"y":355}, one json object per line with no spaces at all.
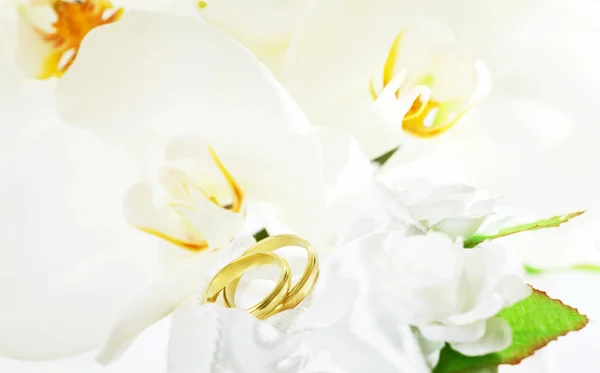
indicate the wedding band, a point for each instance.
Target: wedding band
{"x":234,"y":270}
{"x":303,"y":286}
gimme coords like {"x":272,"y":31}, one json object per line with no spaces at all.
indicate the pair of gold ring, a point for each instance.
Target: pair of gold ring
{"x":284,"y":296}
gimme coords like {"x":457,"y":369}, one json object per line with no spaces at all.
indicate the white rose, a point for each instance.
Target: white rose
{"x":450,"y":293}
{"x":453,"y":208}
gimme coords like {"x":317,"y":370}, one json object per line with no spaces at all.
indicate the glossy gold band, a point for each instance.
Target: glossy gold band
{"x":283,"y":296}
{"x":238,"y":267}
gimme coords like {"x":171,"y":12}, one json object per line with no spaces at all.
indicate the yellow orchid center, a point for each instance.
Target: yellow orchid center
{"x":426,"y":117}
{"x":431,"y":118}
{"x":184,"y":192}
{"x":74,"y":19}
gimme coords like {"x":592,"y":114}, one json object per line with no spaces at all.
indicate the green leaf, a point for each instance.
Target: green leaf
{"x":575,"y":267}
{"x":382,"y":159}
{"x":535,"y":322}
{"x":552,"y":222}
{"x":261,"y":234}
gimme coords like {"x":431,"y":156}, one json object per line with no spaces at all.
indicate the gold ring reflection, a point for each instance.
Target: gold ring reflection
{"x":283,"y":296}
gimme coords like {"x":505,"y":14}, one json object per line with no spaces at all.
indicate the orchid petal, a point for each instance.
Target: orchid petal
{"x":265,"y":27}
{"x":216,"y":89}
{"x":69,"y":259}
{"x":141,"y":213}
{"x":216,"y":224}
{"x":153,"y":304}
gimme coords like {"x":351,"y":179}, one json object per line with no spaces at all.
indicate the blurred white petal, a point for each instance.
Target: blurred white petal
{"x":265,"y":26}
{"x":69,"y":257}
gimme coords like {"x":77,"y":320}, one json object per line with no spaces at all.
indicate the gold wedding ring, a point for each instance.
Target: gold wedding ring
{"x":283,"y":296}
{"x":238,"y":267}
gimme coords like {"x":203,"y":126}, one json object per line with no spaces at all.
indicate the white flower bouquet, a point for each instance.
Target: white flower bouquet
{"x":261,"y":173}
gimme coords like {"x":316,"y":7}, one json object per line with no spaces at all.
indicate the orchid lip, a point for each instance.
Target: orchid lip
{"x":425,"y":117}
{"x":193,"y":240}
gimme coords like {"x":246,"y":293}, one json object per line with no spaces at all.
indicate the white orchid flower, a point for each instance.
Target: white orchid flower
{"x":229,"y":133}
{"x":212,"y":90}
{"x":40,"y":41}
{"x":530,"y":139}
{"x":50,"y":32}
{"x":367,"y":68}
{"x":541,"y":107}
{"x":62,"y":18}
{"x":386,"y":74}
{"x":199,"y":204}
